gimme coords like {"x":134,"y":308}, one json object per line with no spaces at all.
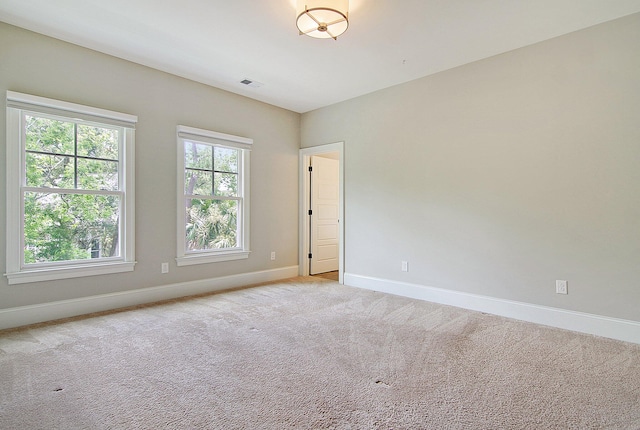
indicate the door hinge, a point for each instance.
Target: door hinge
{"x":310,"y":168}
{"x":310,"y":212}
{"x":309,"y":255}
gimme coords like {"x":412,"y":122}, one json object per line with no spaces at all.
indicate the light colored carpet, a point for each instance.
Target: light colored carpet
{"x":310,"y":353}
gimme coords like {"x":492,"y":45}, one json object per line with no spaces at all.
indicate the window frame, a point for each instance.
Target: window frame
{"x":212,"y":138}
{"x":19,"y":105}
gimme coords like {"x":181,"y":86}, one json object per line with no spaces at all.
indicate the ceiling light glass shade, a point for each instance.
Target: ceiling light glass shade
{"x":323,"y":19}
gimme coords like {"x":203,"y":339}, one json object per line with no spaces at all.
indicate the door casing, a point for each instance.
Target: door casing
{"x":304,"y":227}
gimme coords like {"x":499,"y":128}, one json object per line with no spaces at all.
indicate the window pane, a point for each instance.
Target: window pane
{"x":97,"y":142}
{"x":226,"y":159}
{"x":51,"y":171}
{"x":62,"y":227}
{"x":97,"y":174}
{"x":211,"y":224}
{"x":197,"y":182}
{"x":226,"y":184}
{"x":198,"y":156}
{"x":49,"y":135}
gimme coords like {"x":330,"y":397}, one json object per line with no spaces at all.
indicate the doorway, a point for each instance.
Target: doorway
{"x":321,"y":248}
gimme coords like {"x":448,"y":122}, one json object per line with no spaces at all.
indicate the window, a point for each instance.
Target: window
{"x":69,"y":190}
{"x":213,"y":196}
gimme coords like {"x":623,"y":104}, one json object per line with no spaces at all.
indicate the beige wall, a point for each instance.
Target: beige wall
{"x":35,"y":64}
{"x":496,"y":178}
{"x":501,"y":176}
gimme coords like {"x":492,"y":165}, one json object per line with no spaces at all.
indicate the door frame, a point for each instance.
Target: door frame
{"x":304,"y":194}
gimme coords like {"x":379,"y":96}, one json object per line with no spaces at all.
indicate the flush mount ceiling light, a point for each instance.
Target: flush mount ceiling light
{"x":323,"y":19}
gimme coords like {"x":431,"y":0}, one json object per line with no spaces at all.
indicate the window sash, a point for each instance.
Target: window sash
{"x":63,"y":191}
{"x":23,"y":146}
{"x":213,"y":173}
{"x":214,"y":197}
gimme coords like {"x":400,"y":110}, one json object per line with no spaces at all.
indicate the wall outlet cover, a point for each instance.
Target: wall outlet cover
{"x":561,"y":287}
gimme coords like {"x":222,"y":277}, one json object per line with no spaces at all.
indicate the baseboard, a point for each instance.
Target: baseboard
{"x":614,"y":328}
{"x":24,"y":315}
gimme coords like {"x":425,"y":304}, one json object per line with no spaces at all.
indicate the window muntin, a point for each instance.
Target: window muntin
{"x":69,"y":190}
{"x":213,"y":191}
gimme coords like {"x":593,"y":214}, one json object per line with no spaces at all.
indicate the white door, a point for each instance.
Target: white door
{"x":325,"y":185}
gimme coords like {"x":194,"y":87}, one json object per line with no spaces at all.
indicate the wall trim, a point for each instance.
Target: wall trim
{"x":614,"y":328}
{"x":31,"y":314}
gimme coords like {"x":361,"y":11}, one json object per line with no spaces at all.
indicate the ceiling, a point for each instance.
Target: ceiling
{"x":221,"y":42}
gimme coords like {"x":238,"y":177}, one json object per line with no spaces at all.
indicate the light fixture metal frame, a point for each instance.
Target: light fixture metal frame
{"x":322,"y":26}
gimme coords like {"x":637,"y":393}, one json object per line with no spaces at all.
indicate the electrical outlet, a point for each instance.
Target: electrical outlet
{"x":405,"y":266}
{"x":165,"y":268}
{"x":561,"y":287}
{"x":273,"y":255}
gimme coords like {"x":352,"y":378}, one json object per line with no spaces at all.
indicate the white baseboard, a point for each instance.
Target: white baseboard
{"x":614,"y":328}
{"x":24,"y":315}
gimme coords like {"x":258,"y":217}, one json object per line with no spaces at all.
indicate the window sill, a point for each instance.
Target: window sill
{"x":189,"y":260}
{"x":65,"y":272}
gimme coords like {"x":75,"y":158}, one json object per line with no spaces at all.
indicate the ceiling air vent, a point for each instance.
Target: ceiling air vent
{"x":251,"y":83}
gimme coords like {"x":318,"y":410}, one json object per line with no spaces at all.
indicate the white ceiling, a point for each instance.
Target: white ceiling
{"x":221,"y":42}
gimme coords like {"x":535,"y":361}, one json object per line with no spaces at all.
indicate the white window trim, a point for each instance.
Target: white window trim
{"x":185,"y":258}
{"x":16,"y":274}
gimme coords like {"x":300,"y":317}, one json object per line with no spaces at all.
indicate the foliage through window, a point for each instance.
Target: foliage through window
{"x":71,"y":187}
{"x":64,"y":225}
{"x":214,"y":190}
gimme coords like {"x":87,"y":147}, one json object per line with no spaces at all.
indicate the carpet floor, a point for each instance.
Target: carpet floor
{"x":309,"y":353}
